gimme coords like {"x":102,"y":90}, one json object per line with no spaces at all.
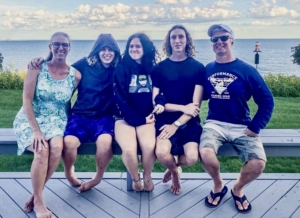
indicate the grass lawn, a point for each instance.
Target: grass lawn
{"x":286,"y":116}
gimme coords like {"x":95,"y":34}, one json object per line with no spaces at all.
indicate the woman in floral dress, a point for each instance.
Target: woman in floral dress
{"x":40,"y":123}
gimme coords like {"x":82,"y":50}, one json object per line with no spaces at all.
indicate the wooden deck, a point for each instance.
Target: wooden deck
{"x":271,"y":195}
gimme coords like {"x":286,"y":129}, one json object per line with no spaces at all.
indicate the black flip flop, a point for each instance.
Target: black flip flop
{"x":241,"y":200}
{"x":214,"y":196}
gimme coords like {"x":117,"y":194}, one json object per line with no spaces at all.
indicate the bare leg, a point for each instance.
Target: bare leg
{"x":249,"y":172}
{"x":125,"y":135}
{"x":163,"y":149}
{"x":102,"y":158}
{"x":39,"y":170}
{"x":69,"y":155}
{"x":167,"y":175}
{"x":56,"y":146}
{"x":146,"y":138}
{"x":211,"y":164}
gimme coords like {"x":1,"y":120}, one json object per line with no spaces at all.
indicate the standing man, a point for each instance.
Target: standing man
{"x":180,"y":79}
{"x":230,"y":83}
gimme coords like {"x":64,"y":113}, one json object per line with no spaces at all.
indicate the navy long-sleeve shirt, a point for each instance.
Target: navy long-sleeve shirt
{"x":229,"y":86}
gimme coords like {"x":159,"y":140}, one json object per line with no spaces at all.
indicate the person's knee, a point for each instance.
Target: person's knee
{"x":104,"y":145}
{"x":56,"y":150}
{"x":42,"y":155}
{"x":104,"y":140}
{"x":258,"y":165}
{"x":129,"y":153}
{"x":161,"y":153}
{"x":206,"y":154}
{"x":71,"y":143}
{"x":192,"y":159}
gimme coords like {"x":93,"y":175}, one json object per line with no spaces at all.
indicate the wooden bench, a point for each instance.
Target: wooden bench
{"x":277,"y":143}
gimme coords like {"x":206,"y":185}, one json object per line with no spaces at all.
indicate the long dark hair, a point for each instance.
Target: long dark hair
{"x":150,"y":55}
{"x":189,"y":49}
{"x":50,"y":55}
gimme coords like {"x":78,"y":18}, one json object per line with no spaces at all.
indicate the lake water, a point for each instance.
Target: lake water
{"x":275,"y":55}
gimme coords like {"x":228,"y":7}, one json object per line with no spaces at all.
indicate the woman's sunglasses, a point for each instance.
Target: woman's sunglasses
{"x":223,"y":38}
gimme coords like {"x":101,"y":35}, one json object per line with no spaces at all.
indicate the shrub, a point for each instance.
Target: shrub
{"x":283,"y":85}
{"x":11,"y":79}
{"x":296,"y":54}
{"x":1,"y":60}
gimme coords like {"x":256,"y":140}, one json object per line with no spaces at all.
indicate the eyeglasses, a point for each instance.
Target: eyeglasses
{"x":223,"y":38}
{"x":58,"y":44}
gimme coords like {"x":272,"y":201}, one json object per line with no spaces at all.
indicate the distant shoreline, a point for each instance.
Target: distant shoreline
{"x":18,"y":40}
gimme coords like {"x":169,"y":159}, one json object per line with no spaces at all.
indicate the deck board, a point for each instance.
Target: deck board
{"x":287,"y":205}
{"x":8,"y":207}
{"x":271,"y":195}
{"x":74,"y":199}
{"x":58,"y":206}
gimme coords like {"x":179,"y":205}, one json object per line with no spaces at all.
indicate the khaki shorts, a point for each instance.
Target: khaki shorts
{"x":246,"y":147}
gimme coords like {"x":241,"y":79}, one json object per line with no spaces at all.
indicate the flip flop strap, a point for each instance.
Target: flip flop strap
{"x":215,"y":195}
{"x":241,"y":200}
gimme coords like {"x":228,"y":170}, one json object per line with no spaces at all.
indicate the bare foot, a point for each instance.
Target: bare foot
{"x":88,"y":185}
{"x":70,"y":175}
{"x":41,"y":210}
{"x":167,"y":176}
{"x":137,"y":185}
{"x":176,"y":187}
{"x":29,"y":205}
{"x":148,"y":184}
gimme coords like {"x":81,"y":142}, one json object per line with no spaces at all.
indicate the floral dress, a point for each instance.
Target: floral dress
{"x":49,"y":106}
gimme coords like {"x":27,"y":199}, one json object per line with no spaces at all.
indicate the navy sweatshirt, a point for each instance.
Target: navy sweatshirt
{"x":133,"y":93}
{"x":95,"y":90}
{"x":229,"y":87}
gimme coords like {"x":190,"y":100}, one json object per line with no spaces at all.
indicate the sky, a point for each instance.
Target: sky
{"x":85,"y":20}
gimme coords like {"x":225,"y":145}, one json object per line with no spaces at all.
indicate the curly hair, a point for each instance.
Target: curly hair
{"x":150,"y":55}
{"x":189,"y":49}
{"x":50,"y":55}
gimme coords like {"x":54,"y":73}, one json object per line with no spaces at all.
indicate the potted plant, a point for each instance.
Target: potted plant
{"x":296,"y":54}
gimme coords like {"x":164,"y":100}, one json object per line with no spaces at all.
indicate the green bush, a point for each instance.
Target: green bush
{"x":11,"y":78}
{"x":296,"y":54}
{"x":281,"y":85}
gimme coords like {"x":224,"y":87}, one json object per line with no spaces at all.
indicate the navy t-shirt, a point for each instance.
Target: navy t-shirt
{"x":229,"y":86}
{"x":176,"y":80}
{"x":95,"y":90}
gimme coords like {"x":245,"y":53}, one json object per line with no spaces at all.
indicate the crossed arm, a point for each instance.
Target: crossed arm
{"x":190,"y":110}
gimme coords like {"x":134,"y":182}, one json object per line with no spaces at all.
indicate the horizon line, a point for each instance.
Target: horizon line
{"x":7,"y":40}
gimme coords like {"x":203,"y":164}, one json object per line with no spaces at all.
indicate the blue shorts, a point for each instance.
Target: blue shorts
{"x":88,"y":129}
{"x":189,"y":132}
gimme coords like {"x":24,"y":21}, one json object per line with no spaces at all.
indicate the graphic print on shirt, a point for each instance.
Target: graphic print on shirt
{"x":221,"y":81}
{"x":140,"y":83}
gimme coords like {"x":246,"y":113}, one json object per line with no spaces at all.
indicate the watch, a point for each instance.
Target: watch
{"x":177,"y":123}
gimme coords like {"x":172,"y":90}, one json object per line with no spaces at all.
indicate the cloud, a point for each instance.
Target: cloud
{"x":173,"y":2}
{"x":116,"y":15}
{"x":185,"y":2}
{"x":264,"y":23}
{"x":167,"y":2}
{"x":222,"y":4}
{"x":83,"y":8}
{"x":294,"y":22}
{"x":272,"y":11}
